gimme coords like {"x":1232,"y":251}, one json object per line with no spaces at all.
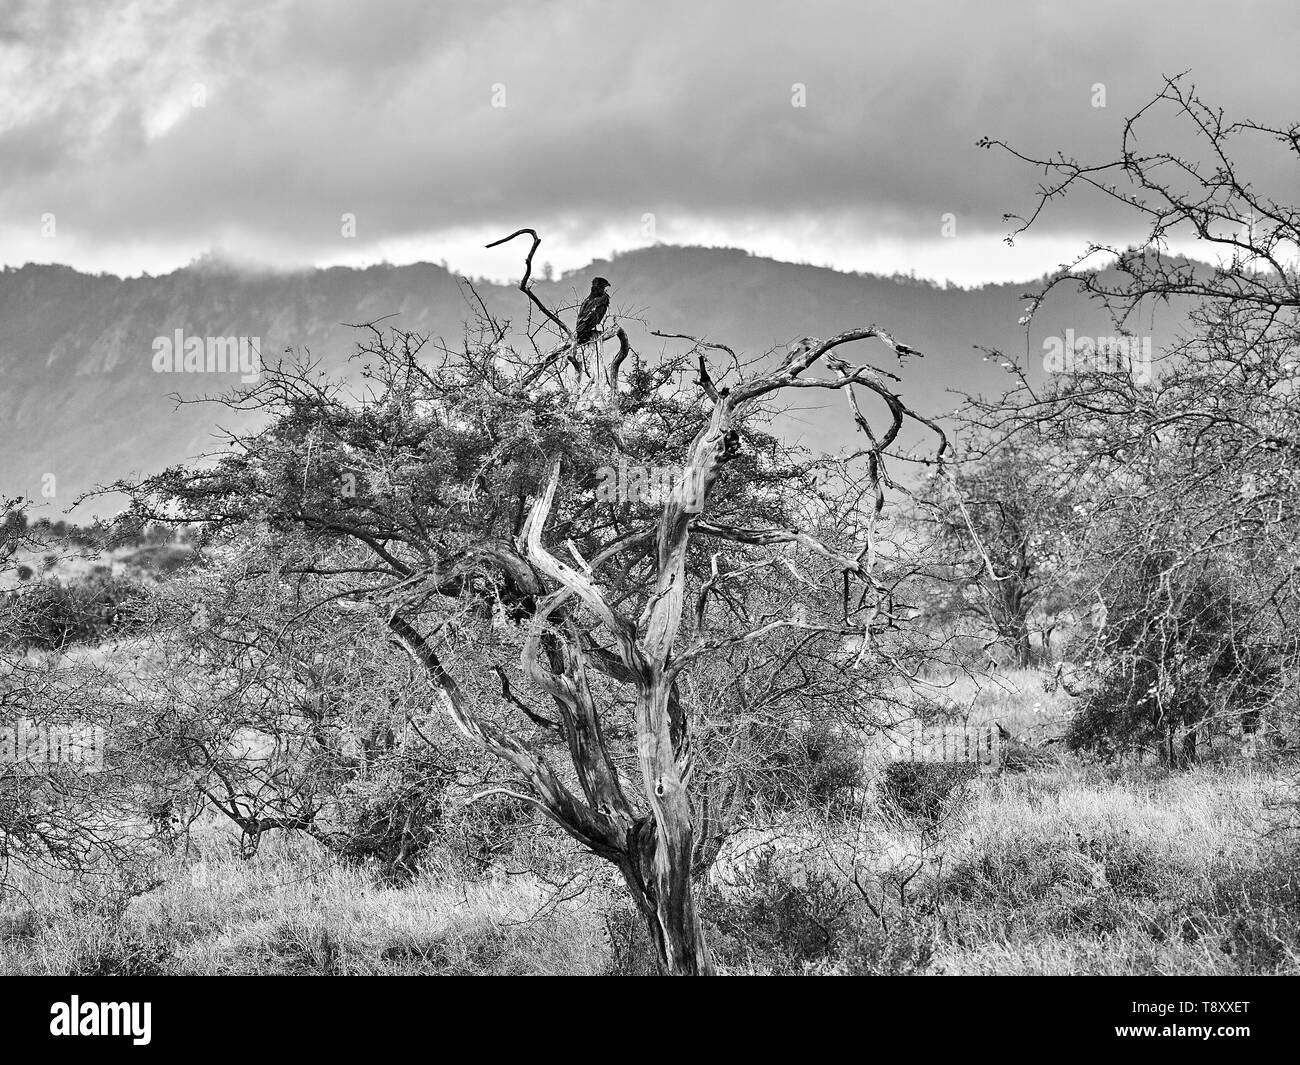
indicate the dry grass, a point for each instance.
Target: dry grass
{"x":1064,"y":869}
{"x":293,"y":909}
{"x":1017,"y":699}
{"x":1073,"y":871}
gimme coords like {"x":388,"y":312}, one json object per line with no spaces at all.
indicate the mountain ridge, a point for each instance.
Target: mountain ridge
{"x":82,"y":404}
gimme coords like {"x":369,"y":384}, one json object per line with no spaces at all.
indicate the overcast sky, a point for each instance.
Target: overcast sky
{"x":384,"y":110}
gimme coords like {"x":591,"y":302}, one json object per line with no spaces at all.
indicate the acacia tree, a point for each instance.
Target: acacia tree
{"x":1189,"y":469}
{"x":1001,"y":521}
{"x":286,"y":719}
{"x":462,"y":498}
{"x":76,"y":778}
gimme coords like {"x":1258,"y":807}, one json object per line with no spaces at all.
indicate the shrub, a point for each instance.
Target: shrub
{"x":124,"y":956}
{"x":628,"y":941}
{"x":1180,"y":650}
{"x":51,"y":615}
{"x":819,"y":766}
{"x":781,"y":915}
{"x":391,"y":818}
{"x":303,"y":949}
{"x":161,"y":560}
{"x":923,"y":794}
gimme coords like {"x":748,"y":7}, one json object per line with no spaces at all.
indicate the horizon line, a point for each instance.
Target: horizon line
{"x":234,"y":263}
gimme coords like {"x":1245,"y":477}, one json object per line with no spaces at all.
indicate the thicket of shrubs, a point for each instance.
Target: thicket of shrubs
{"x":52,"y":615}
{"x":1181,"y":657}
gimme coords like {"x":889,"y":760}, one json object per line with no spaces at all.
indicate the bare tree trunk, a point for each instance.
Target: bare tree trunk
{"x":1024,"y":652}
{"x":665,"y":842}
{"x":1178,"y":751}
{"x":657,"y":852}
{"x":665,"y":895}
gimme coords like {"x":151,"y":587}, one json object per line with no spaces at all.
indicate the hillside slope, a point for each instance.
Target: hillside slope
{"x":82,"y":404}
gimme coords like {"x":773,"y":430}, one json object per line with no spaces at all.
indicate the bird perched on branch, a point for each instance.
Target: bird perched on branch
{"x":592,"y":311}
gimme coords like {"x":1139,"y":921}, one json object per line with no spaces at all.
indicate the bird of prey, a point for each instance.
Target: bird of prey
{"x":592,"y":311}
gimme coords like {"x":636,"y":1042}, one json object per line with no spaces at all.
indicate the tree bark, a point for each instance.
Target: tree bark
{"x":1023,"y":648}
{"x":665,"y":845}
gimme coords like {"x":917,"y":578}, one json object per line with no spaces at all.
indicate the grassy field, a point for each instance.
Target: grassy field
{"x":1077,"y":871}
{"x":1068,"y":868}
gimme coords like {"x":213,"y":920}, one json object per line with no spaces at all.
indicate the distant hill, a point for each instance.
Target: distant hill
{"x":81,"y":400}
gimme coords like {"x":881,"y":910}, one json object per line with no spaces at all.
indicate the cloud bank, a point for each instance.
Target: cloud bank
{"x":137,"y":135}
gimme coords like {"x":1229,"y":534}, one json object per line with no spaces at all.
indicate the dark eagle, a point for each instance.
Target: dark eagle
{"x":592,"y":311}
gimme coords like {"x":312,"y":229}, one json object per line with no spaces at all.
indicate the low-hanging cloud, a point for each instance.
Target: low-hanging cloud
{"x":151,"y":131}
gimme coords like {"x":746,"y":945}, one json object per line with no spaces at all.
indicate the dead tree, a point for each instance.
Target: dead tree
{"x":653,"y":850}
{"x":605,"y":613}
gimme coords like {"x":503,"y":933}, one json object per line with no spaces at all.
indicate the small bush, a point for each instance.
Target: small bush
{"x":124,"y":956}
{"x":390,"y":819}
{"x":904,"y":947}
{"x":51,"y":615}
{"x":923,"y":794}
{"x":820,"y":766}
{"x":783,"y":916}
{"x":627,"y":939}
{"x":777,"y":916}
{"x":307,"y":950}
{"x":161,"y":560}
